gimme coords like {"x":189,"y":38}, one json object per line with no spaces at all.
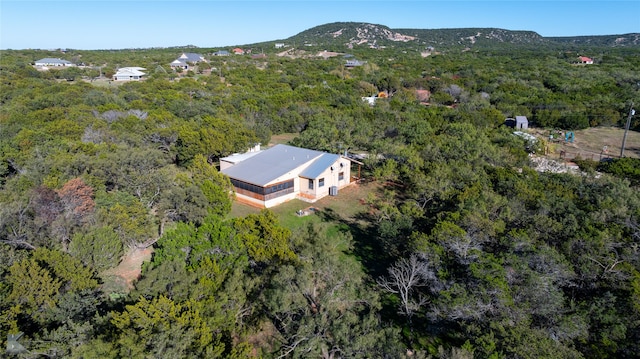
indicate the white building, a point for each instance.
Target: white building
{"x":51,"y":62}
{"x":281,"y":173}
{"x":129,"y":74}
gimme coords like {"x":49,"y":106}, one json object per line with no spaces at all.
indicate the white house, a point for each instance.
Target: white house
{"x":129,"y":74}
{"x":187,"y":58}
{"x":281,"y":173}
{"x":51,"y":62}
{"x":371,"y":100}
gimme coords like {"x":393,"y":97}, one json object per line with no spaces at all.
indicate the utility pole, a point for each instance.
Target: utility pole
{"x":626,"y":129}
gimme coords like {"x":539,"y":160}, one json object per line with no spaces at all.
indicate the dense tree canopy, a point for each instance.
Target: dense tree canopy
{"x":465,"y":251}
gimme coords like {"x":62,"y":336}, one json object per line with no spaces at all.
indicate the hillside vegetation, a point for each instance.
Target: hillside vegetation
{"x":453,"y":247}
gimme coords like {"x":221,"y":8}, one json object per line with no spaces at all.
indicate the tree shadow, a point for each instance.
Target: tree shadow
{"x":367,"y":248}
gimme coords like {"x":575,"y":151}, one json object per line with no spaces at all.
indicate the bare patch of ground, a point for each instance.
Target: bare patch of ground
{"x":128,"y":271}
{"x":593,"y":143}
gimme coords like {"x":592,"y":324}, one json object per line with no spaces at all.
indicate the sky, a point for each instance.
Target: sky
{"x":120,"y":24}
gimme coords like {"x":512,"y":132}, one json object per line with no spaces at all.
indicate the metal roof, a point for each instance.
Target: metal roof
{"x":50,"y":60}
{"x":129,"y":71}
{"x":319,"y":165}
{"x":191,"y":57}
{"x":270,"y":164}
{"x":239,"y":157}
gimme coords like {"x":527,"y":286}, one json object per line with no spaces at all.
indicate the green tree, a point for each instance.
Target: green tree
{"x":321,"y":306}
{"x":215,"y":186}
{"x":100,"y":249}
{"x":161,"y":327}
{"x":265,"y":239}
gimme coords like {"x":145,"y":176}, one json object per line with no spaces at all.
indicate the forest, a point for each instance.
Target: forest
{"x":460,"y":250}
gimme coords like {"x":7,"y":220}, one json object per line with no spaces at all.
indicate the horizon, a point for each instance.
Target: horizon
{"x":117,"y":24}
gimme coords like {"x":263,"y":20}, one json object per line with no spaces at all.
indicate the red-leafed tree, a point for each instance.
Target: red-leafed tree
{"x":77,"y":199}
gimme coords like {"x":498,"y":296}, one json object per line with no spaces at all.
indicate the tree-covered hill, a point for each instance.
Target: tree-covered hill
{"x":340,"y":35}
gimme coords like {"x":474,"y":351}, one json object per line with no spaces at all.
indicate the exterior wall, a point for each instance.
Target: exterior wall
{"x":331,"y":178}
{"x":224,"y":165}
{"x":126,"y":78}
{"x":280,"y":200}
{"x":522,"y":122}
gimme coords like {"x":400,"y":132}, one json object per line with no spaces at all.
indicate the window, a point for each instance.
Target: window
{"x":321,"y":182}
{"x":340,"y":176}
{"x":310,"y":184}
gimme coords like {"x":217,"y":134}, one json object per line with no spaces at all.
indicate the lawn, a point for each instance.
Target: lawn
{"x":333,"y":214}
{"x":346,"y":205}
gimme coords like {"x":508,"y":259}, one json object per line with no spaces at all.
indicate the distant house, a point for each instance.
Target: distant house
{"x":129,"y":74}
{"x":281,"y":173}
{"x":238,"y":51}
{"x":279,"y":45}
{"x":371,"y":100}
{"x":520,"y":122}
{"x":187,"y":58}
{"x":585,"y":60}
{"x":51,"y":62}
{"x":353,"y":63}
{"x":221,"y":53}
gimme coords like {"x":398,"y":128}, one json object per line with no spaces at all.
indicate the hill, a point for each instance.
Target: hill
{"x":366,"y":35}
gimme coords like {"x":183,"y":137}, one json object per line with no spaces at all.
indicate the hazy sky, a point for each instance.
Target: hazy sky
{"x":117,"y":24}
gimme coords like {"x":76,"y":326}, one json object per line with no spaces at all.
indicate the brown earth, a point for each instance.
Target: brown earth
{"x":128,"y":271}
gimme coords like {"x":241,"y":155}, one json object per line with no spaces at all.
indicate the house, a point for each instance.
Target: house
{"x":221,"y":53}
{"x":281,"y":173}
{"x":520,"y":122}
{"x":187,"y":58}
{"x":51,"y":62}
{"x":585,"y":60}
{"x":238,"y":51}
{"x":354,"y":63}
{"x":371,"y":100}
{"x":279,"y":45}
{"x":129,"y":74}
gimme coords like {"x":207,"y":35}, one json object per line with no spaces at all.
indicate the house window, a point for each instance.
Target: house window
{"x":281,"y":188}
{"x":310,"y":184}
{"x":321,"y":182}
{"x":340,"y":176}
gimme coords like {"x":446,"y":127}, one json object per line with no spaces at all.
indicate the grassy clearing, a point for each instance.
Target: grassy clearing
{"x":283,"y":138}
{"x":334,"y":215}
{"x":589,"y":143}
{"x":346,"y":206}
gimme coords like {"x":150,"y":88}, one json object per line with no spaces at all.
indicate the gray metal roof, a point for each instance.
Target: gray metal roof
{"x":191,"y":57}
{"x":319,"y":165}
{"x":270,"y":164}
